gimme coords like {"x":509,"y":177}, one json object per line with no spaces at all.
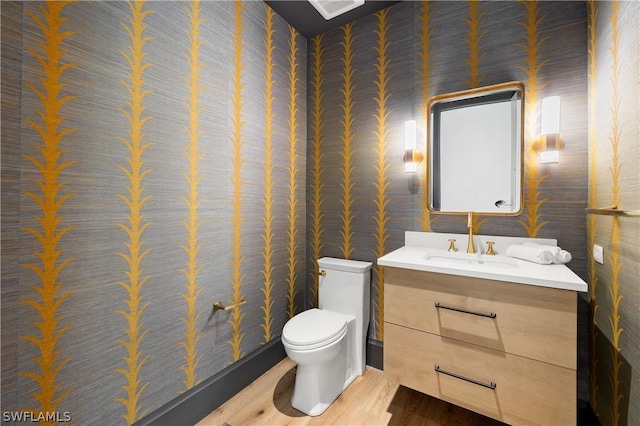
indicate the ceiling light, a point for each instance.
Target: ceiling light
{"x":331,"y":8}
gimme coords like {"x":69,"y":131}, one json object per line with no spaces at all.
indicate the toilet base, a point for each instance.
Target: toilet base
{"x":317,"y":386}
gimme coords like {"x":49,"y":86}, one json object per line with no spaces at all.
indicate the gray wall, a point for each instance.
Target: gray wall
{"x":614,"y":156}
{"x":429,"y":52}
{"x":105,"y":329}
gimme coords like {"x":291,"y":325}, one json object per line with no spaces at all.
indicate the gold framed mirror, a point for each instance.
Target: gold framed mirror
{"x":475,"y":149}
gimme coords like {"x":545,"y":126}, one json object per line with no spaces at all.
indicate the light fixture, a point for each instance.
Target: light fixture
{"x":329,"y":9}
{"x":412,"y":157}
{"x":550,"y":142}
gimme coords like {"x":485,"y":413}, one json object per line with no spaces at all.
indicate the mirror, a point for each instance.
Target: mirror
{"x":475,"y":150}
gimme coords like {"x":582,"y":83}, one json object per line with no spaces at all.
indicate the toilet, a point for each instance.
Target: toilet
{"x":329,"y":343}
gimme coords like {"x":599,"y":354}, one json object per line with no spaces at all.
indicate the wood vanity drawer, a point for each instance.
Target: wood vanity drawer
{"x":531,"y":321}
{"x":526,"y":391}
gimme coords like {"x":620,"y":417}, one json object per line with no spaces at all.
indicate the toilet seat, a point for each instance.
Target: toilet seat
{"x":313,"y":329}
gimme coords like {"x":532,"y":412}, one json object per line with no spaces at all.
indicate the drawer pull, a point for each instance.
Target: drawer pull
{"x":491,"y":385}
{"x":480,"y":314}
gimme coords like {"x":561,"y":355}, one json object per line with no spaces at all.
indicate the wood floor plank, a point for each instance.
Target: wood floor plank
{"x":369,"y":400}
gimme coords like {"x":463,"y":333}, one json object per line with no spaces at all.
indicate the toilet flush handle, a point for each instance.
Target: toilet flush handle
{"x":323,"y":273}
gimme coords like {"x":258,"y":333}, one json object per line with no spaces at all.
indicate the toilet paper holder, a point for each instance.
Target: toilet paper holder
{"x":218,"y":306}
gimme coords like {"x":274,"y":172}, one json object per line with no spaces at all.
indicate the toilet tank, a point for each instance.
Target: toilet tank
{"x":346,"y":287}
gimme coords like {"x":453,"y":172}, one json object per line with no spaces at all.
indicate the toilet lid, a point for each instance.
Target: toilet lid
{"x":313,"y":326}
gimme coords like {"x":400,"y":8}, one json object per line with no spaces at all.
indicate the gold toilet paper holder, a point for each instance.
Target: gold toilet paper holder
{"x":218,"y":306}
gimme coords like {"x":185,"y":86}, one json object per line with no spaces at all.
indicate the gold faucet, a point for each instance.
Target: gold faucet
{"x":491,"y":251}
{"x":470,"y":247}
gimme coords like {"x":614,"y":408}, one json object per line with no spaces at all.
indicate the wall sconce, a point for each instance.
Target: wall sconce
{"x":412,"y":157}
{"x":550,"y":142}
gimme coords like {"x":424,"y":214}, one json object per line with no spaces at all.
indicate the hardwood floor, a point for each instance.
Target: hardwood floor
{"x":370,"y":400}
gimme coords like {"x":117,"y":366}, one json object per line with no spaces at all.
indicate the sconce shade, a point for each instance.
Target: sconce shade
{"x":412,"y":157}
{"x":550,"y":141}
{"x":410,"y":134}
{"x":550,"y":121}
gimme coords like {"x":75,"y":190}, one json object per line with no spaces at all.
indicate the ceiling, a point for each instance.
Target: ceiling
{"x":302,"y":16}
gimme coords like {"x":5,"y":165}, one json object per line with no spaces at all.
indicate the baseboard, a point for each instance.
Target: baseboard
{"x":374,"y":354}
{"x":196,"y":403}
{"x":586,"y":416}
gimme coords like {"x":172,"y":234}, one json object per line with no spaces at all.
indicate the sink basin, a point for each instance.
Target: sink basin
{"x":469,"y":259}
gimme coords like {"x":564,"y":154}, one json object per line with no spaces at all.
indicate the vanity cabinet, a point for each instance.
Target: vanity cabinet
{"x":502,"y":349}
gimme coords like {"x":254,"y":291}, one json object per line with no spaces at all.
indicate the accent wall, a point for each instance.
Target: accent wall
{"x":153,"y":163}
{"x":368,"y":77}
{"x":614,"y":179}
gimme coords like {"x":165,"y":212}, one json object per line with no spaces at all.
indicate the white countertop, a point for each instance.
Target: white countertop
{"x":421,"y":244}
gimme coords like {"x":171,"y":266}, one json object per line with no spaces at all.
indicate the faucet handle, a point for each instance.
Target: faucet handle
{"x":490,"y":250}
{"x":452,"y":244}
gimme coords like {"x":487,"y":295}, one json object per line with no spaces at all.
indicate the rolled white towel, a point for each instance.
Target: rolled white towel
{"x":559,"y":256}
{"x":532,"y":254}
{"x":563,"y":256}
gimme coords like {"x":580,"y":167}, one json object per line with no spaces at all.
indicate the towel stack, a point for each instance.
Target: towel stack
{"x":538,"y":253}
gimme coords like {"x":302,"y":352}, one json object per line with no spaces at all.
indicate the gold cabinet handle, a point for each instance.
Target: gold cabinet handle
{"x":218,"y":306}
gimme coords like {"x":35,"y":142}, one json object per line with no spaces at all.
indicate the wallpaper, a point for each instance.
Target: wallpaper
{"x":614,"y":155}
{"x":158,"y":157}
{"x":367,"y":78}
{"x":153,"y":163}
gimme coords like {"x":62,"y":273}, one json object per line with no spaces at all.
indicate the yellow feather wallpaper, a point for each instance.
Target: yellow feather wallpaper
{"x":613,"y":177}
{"x":268,"y":180}
{"x":292,"y":202}
{"x":236,"y":201}
{"x":555,"y":196}
{"x":316,"y":157}
{"x":347,"y":140}
{"x":534,"y":85}
{"x":591,"y":220}
{"x":381,"y":167}
{"x":193,"y":200}
{"x":426,"y":68}
{"x":50,"y":200}
{"x":135,"y":199}
{"x":615,"y":262}
{"x":138,"y":199}
{"x":162,"y":157}
{"x":473,"y":40}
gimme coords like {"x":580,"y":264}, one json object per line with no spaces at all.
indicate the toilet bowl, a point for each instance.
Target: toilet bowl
{"x":321,"y":358}
{"x":328,"y":343}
